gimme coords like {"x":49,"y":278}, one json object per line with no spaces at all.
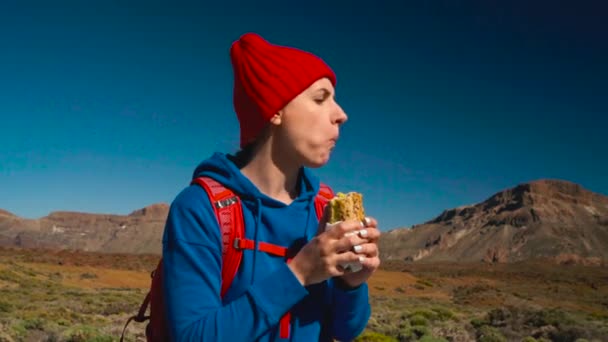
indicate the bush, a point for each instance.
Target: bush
{"x":414,"y":333}
{"x":499,"y":317}
{"x":443,"y":314}
{"x":490,"y":334}
{"x":88,"y":276}
{"x":372,"y":336}
{"x":33,"y":324}
{"x":82,"y":333}
{"x":428,"y":338}
{"x":419,"y":320}
{"x":6,"y":307}
{"x":479,"y":322}
{"x":567,"y":335}
{"x":425,"y":313}
{"x":552,"y":317}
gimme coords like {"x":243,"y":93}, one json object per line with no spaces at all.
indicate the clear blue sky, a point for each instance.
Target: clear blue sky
{"x":107,"y":106}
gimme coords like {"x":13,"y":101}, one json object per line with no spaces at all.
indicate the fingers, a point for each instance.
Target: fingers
{"x":338,"y":230}
{"x":370,"y":250}
{"x":370,"y":222}
{"x":348,"y":242}
{"x":343,"y":259}
{"x":370,"y":234}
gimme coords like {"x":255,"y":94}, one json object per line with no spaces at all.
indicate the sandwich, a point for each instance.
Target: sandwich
{"x":346,"y":207}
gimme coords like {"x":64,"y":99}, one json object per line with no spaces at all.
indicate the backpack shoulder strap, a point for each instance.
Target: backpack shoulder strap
{"x":229,"y":212}
{"x":325,"y":195}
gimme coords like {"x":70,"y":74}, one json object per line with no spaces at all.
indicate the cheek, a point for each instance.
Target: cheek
{"x":308,"y":130}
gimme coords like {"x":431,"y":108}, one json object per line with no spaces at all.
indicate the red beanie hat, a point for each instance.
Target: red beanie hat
{"x":267,"y":77}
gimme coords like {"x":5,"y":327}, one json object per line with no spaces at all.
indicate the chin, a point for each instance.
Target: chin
{"x":318,"y":162}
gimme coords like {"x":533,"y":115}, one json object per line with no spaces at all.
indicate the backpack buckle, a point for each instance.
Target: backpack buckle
{"x":236,"y":243}
{"x":226,"y":202}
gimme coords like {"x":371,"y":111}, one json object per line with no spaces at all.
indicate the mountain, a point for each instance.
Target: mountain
{"x":542,"y":219}
{"x":552,"y":219}
{"x":139,"y":232}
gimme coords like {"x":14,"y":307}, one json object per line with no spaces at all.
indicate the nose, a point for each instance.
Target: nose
{"x":340,"y":116}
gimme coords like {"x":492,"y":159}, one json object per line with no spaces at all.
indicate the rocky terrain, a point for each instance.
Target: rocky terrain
{"x":139,"y":232}
{"x":549,"y":219}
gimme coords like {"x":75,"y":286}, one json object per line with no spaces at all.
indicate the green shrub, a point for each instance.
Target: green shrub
{"x":426,"y":313}
{"x":34,"y":324}
{"x":414,"y":333}
{"x":552,"y":317}
{"x":490,"y":334}
{"x":443,"y":314}
{"x":6,"y":307}
{"x":419,"y":320}
{"x":568,"y":334}
{"x":529,"y":339}
{"x":479,"y":322}
{"x":372,"y":336}
{"x":427,"y":338}
{"x":499,"y":317}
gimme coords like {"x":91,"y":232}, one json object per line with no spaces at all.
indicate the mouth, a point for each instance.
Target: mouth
{"x":332,"y":143}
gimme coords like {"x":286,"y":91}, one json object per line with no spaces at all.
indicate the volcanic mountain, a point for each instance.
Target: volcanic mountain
{"x":542,"y":219}
{"x":139,"y":232}
{"x":552,"y":219}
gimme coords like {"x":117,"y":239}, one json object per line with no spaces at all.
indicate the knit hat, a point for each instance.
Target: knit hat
{"x":266,"y":78}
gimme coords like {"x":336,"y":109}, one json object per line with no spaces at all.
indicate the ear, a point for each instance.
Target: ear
{"x":277,"y":118}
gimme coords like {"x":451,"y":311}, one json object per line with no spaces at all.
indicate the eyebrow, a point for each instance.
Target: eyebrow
{"x":325,"y":91}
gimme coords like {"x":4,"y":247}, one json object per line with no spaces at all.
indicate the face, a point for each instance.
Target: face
{"x":307,"y":129}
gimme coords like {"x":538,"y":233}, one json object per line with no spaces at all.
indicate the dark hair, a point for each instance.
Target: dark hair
{"x":243,"y":156}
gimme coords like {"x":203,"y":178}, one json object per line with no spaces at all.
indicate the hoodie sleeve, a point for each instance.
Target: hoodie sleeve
{"x":192,"y":252}
{"x":352,"y":311}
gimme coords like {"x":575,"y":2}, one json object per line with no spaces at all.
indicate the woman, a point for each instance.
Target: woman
{"x":289,"y":121}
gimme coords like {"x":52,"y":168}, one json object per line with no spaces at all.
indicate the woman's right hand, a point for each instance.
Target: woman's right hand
{"x":321,"y":257}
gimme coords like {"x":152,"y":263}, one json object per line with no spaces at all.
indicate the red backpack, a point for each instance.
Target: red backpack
{"x":229,"y":212}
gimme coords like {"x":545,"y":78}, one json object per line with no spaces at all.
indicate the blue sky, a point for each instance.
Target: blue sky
{"x":107,"y":107}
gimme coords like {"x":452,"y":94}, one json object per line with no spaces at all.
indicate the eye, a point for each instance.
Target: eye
{"x":320,"y":100}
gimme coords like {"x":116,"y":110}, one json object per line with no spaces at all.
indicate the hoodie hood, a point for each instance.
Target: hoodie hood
{"x":221,"y":168}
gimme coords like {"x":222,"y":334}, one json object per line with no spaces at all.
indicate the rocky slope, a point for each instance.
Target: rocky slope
{"x":542,"y":219}
{"x":139,"y":232}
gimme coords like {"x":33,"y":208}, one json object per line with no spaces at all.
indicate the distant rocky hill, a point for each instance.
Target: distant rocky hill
{"x":139,"y":232}
{"x":543,"y":219}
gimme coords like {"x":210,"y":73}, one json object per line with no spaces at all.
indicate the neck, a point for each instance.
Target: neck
{"x":275,"y":177}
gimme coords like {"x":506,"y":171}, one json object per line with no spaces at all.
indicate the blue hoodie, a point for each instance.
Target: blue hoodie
{"x":264,"y":288}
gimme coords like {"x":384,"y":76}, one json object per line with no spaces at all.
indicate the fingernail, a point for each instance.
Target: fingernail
{"x":358,"y":249}
{"x":363,"y":223}
{"x":362,"y":258}
{"x":368,"y":221}
{"x":363,"y":232}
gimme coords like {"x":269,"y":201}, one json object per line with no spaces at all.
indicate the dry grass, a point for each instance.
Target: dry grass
{"x":75,"y":296}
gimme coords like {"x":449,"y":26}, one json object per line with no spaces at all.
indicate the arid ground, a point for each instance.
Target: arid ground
{"x":77,"y":296}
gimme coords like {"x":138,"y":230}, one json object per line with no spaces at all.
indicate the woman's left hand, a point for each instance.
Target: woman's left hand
{"x":369,"y":250}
